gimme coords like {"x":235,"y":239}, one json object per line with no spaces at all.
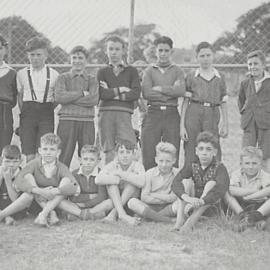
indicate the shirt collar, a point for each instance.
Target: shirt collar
{"x":4,"y":66}
{"x":155,"y":65}
{"x":215,"y":71}
{"x":120,"y":65}
{"x":156,"y":171}
{"x":42,"y":163}
{"x":39,"y":71}
{"x":266,"y":75}
{"x":82,"y":74}
{"x":93,"y":173}
{"x":256,"y":177}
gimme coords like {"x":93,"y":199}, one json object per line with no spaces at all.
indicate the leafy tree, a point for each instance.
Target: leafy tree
{"x":17,"y":31}
{"x":144,"y":34}
{"x":252,"y":32}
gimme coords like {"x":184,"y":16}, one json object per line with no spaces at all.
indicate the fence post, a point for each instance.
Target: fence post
{"x":131,"y":32}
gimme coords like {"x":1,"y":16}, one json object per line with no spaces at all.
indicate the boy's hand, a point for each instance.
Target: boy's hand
{"x":103,"y":84}
{"x":8,"y":173}
{"x":157,"y":88}
{"x":183,"y":134}
{"x":124,"y":89}
{"x":195,"y":202}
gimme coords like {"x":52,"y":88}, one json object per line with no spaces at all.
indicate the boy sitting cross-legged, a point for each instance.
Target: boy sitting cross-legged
{"x":158,"y":202}
{"x":249,"y":190}
{"x":123,"y":177}
{"x":46,"y":180}
{"x":200,"y":184}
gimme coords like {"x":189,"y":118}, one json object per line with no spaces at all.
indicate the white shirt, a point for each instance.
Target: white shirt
{"x":39,"y":79}
{"x":258,"y":83}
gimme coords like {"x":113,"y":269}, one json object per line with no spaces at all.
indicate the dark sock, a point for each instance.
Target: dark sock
{"x":167,"y":211}
{"x":155,"y":216}
{"x":255,"y":216}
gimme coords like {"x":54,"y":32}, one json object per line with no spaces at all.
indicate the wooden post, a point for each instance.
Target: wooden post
{"x":131,"y":32}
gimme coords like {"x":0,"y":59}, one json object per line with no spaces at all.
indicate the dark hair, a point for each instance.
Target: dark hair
{"x":11,"y":152}
{"x":207,"y":137}
{"x":257,"y":53}
{"x":115,"y":38}
{"x":51,"y":139}
{"x":87,"y":148}
{"x":164,"y":40}
{"x":37,"y":43}
{"x":204,"y":45}
{"x":81,"y":49}
{"x":3,"y":41}
{"x":126,"y":143}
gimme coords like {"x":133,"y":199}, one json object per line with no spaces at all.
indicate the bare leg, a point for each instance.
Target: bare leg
{"x":233,"y":203}
{"x":180,"y":216}
{"x":265,"y":208}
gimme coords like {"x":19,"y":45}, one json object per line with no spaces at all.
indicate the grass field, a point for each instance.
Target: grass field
{"x":95,"y":245}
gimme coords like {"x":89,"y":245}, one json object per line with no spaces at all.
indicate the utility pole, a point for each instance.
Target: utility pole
{"x":131,"y":32}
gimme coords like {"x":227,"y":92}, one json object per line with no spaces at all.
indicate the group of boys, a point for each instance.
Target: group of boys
{"x":124,"y":188}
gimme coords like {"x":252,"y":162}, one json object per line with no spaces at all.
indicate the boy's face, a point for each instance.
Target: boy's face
{"x":48,"y":152}
{"x":37,"y":58}
{"x":256,"y":67}
{"x":78,"y":61}
{"x":164,"y":52}
{"x":115,"y":52}
{"x":251,"y":165}
{"x":89,"y":161}
{"x":164,"y":162}
{"x":205,"y":58}
{"x":12,"y":164}
{"x":125,"y":156}
{"x":206,"y":152}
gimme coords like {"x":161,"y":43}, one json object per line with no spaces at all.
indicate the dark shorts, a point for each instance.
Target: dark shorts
{"x":158,"y":207}
{"x":36,"y":119}
{"x":250,"y":205}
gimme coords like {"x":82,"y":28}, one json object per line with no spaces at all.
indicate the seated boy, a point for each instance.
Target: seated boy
{"x":83,"y":205}
{"x":46,"y":180}
{"x":123,"y":178}
{"x":11,"y":160}
{"x":200,"y":184}
{"x":158,"y":202}
{"x":249,"y":190}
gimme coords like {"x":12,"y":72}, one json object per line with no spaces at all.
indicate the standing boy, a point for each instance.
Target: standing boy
{"x":77,"y":92}
{"x":119,"y":88}
{"x":123,"y":177}
{"x":35,"y":97}
{"x":249,"y":190}
{"x":158,"y":202}
{"x":202,"y":111}
{"x":162,"y":84}
{"x":8,"y":96}
{"x":254,"y":105}
{"x":45,"y":180}
{"x":200,"y":184}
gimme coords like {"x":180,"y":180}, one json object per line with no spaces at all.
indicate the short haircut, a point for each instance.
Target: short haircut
{"x":51,"y":139}
{"x":204,"y":45}
{"x":251,"y":151}
{"x":81,"y":49}
{"x":165,"y":147}
{"x":115,"y":38}
{"x":87,"y":148}
{"x":207,"y":137}
{"x":257,"y":53}
{"x":164,"y":40}
{"x":3,"y":41}
{"x":126,"y":143}
{"x":37,"y":43}
{"x":11,"y":152}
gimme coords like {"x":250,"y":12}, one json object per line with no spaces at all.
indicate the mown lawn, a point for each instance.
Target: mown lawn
{"x":95,"y":245}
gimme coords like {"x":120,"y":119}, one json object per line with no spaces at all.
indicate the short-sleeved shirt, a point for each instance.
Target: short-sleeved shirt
{"x":39,"y":79}
{"x":36,"y":168}
{"x":211,"y":91}
{"x":259,"y":181}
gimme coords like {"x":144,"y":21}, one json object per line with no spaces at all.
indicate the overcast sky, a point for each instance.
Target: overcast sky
{"x":71,"y":22}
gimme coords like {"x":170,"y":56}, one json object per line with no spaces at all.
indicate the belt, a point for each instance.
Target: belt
{"x":162,"y":107}
{"x":205,"y":104}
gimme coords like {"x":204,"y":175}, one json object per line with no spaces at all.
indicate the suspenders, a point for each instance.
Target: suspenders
{"x":33,"y":94}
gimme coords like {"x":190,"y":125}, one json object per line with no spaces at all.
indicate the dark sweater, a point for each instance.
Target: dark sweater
{"x":128,"y":77}
{"x":8,"y":88}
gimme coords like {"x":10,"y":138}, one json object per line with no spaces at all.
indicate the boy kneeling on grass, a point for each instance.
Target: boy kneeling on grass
{"x":45,"y":180}
{"x":123,"y":177}
{"x":200,"y":184}
{"x":249,"y":192}
{"x":158,"y":202}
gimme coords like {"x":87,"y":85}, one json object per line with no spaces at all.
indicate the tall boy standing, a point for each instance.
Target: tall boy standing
{"x":77,"y":92}
{"x":119,"y":88}
{"x":254,"y":105}
{"x":162,"y":84}
{"x":35,"y":97}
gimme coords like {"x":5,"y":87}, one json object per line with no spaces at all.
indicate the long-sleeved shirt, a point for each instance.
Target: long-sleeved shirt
{"x":91,"y":194}
{"x":172,"y":84}
{"x":69,"y":92}
{"x":214,"y":172}
{"x":110,"y":98}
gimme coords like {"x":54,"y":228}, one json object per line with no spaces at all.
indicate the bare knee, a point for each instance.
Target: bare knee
{"x":132,"y":203}
{"x":28,"y":198}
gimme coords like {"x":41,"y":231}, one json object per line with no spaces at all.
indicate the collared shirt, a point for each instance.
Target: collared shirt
{"x":259,"y":181}
{"x":39,"y":79}
{"x":94,"y":173}
{"x":159,"y":183}
{"x":119,"y":68}
{"x":4,"y":69}
{"x":258,"y":83}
